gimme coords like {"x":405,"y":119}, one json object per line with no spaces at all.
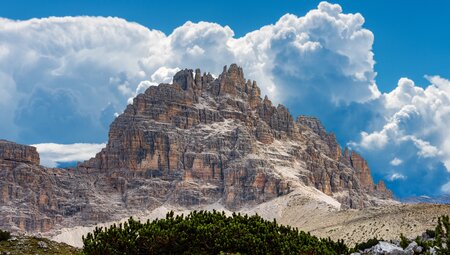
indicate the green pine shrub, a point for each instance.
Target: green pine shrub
{"x":4,"y":235}
{"x":442,"y":238}
{"x":203,"y":232}
{"x":365,"y":245}
{"x":431,"y":233}
{"x":403,"y":241}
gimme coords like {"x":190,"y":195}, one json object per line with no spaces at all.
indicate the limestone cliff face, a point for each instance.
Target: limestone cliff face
{"x":34,"y":198}
{"x":204,"y":131}
{"x":197,"y":141}
{"x":221,"y":134}
{"x":346,"y":176}
{"x":18,"y":153}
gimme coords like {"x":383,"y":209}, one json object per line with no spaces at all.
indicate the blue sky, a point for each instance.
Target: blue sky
{"x":367,"y":71}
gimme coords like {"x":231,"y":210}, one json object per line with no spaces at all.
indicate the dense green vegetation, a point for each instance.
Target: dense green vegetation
{"x":403,"y":241}
{"x":214,"y":233}
{"x":202,"y":232}
{"x":4,"y":235}
{"x":365,"y":245}
{"x":442,"y":233}
{"x":440,"y":237}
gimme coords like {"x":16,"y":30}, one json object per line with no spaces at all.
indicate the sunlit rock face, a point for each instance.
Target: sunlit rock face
{"x":198,"y":141}
{"x":18,"y":152}
{"x":220,"y":134}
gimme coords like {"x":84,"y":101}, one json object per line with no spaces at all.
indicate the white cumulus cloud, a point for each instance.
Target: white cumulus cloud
{"x":78,"y":66}
{"x":396,"y":162}
{"x":51,"y":154}
{"x":59,"y":73}
{"x":416,"y":115}
{"x":396,"y":176}
{"x":446,"y":188}
{"x":413,"y":125}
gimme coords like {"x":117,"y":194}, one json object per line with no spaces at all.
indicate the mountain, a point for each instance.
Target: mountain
{"x":444,"y":199}
{"x":218,"y":137}
{"x":200,"y":141}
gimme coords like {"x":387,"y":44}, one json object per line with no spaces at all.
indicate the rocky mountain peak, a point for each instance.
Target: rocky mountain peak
{"x":185,"y":79}
{"x":196,"y":142}
{"x":220,"y":131}
{"x":234,"y":73}
{"x":313,"y":123}
{"x":364,"y":174}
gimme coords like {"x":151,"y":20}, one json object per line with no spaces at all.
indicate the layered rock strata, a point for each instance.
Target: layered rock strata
{"x":221,"y":134}
{"x":18,"y":153}
{"x":200,"y":140}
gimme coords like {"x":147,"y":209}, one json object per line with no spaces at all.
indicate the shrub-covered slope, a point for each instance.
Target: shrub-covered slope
{"x":205,"y":232}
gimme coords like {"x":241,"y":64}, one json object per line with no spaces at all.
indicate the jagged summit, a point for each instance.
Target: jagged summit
{"x":221,"y":132}
{"x":200,"y":141}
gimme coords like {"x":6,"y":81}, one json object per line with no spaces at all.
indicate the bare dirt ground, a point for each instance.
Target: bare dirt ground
{"x":360,"y":225}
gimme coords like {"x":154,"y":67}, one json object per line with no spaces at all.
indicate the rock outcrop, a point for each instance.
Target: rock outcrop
{"x":221,"y":133}
{"x":196,"y":141}
{"x":18,"y":153}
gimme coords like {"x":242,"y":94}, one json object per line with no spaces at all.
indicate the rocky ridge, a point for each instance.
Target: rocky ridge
{"x":222,"y":134}
{"x":18,"y":153}
{"x":443,"y":199}
{"x":198,"y":141}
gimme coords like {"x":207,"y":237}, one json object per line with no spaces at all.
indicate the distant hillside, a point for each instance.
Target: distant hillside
{"x":444,"y":199}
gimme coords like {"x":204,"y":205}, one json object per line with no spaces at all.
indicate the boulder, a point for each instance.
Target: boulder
{"x":385,"y":248}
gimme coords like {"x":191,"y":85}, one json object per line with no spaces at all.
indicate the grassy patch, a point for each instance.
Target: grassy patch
{"x":30,"y":245}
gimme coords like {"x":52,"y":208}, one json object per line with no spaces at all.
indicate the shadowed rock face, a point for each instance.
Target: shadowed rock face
{"x":197,"y":141}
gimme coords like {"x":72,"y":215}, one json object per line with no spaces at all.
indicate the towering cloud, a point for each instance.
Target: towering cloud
{"x":414,"y":128}
{"x":62,"y":80}
{"x":61,"y":76}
